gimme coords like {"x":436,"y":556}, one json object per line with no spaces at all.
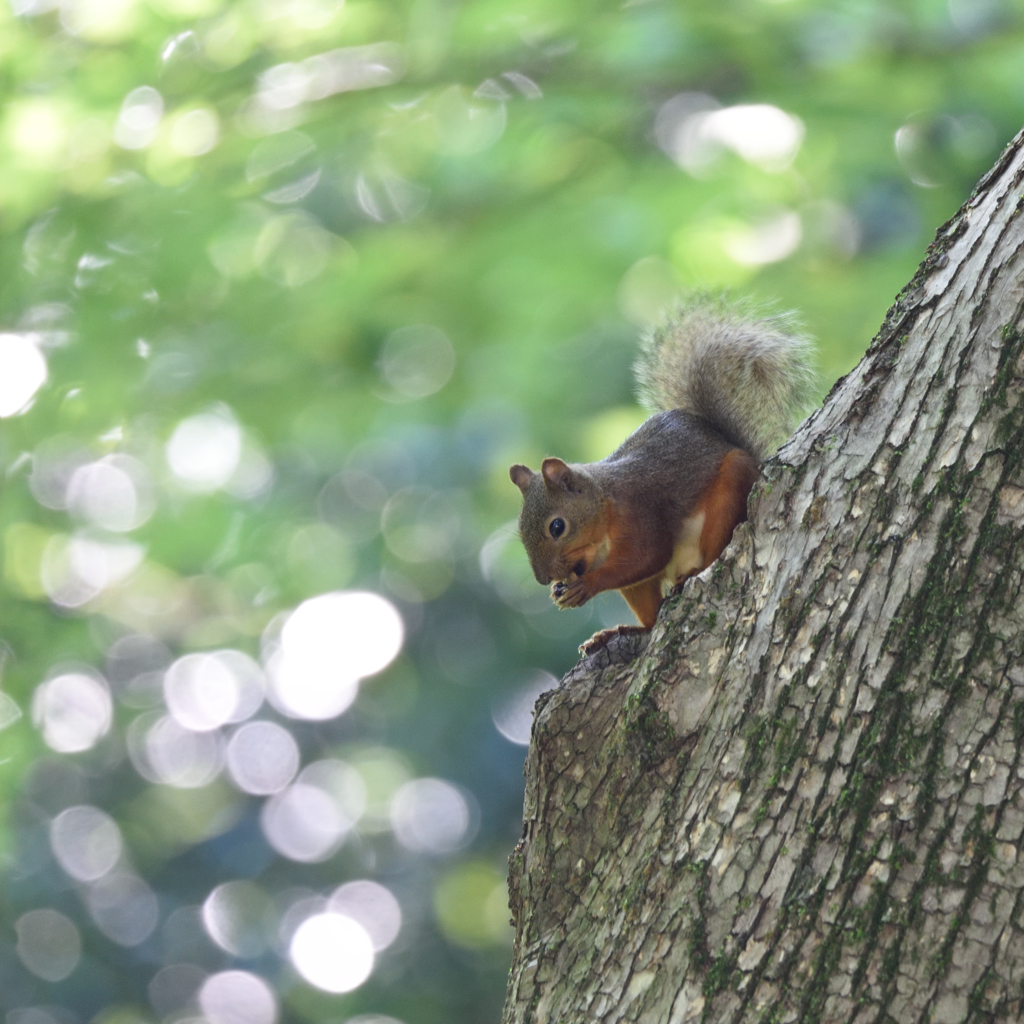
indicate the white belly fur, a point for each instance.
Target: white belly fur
{"x":686,"y":555}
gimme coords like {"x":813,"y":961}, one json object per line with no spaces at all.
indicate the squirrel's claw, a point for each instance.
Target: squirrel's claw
{"x":569,"y":593}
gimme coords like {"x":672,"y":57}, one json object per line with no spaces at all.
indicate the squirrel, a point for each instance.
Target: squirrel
{"x":725,"y":381}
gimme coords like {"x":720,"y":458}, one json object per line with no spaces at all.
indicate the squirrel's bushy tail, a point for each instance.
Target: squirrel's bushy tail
{"x":745,"y":371}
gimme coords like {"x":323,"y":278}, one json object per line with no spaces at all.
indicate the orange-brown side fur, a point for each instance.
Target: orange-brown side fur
{"x":723,"y":507}
{"x":724,"y":504}
{"x":628,"y":556}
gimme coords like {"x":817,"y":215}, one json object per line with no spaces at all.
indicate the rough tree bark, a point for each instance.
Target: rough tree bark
{"x":802,"y":799}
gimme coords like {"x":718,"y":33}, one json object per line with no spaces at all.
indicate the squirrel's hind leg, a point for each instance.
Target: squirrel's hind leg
{"x":645,"y":599}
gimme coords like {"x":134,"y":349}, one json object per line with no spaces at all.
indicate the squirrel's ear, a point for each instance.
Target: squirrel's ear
{"x":521,"y":477}
{"x":556,"y":473}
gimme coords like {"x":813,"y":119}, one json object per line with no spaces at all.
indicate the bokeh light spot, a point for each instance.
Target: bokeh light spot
{"x":693,"y":129}
{"x":164,"y":751}
{"x":237,"y":997}
{"x":471,"y":903}
{"x":422,"y":525}
{"x":104,"y":21}
{"x":194,"y":132}
{"x":262,"y":758}
{"x":384,"y":196}
{"x":278,"y":153}
{"x":173,"y":988}
{"x":466,"y":124}
{"x":139,"y":119}
{"x":327,"y":645}
{"x":86,"y":842}
{"x":204,"y":450}
{"x":48,"y":944}
{"x":416,"y":361}
{"x":646,"y":290}
{"x":504,"y":565}
{"x":310,"y":820}
{"x":74,"y":570}
{"x":768,"y":241}
{"x":22,"y":372}
{"x":36,"y":1015}
{"x":250,"y":681}
{"x":303,"y":823}
{"x":124,"y":908}
{"x":292,"y":249}
{"x":332,"y":952}
{"x":238,"y":917}
{"x":201,"y":692}
{"x":73,"y":710}
{"x":513,"y":714}
{"x":38,"y":130}
{"x":254,"y":474}
{"x":342,"y":783}
{"x":231,"y":249}
{"x":113,"y":494}
{"x":761,"y":134}
{"x":432,"y":816}
{"x":373,"y":906}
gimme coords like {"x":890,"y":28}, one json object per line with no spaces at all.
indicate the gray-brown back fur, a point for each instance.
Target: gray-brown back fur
{"x":664,"y":467}
{"x":742,"y":370}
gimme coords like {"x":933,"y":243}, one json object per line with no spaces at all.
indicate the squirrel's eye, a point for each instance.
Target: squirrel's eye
{"x":556,"y":528}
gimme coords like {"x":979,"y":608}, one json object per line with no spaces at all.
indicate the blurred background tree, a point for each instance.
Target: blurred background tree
{"x":287,"y":284}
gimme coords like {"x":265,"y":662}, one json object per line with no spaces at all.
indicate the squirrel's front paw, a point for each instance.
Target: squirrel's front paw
{"x":569,"y":593}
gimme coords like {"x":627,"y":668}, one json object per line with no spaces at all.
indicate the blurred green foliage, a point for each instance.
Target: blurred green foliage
{"x":386,"y":249}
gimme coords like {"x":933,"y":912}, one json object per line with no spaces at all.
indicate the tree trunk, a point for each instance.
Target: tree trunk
{"x":802,"y":798}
